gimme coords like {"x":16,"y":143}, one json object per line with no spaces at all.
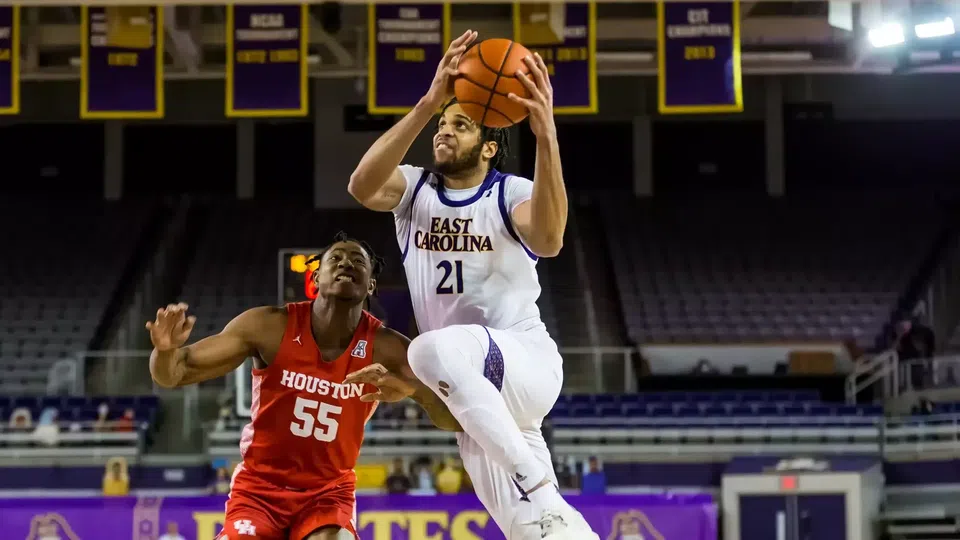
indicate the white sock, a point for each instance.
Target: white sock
{"x":451,"y":361}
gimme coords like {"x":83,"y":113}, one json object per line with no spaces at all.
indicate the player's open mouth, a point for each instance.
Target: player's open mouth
{"x":444,"y":146}
{"x":344,"y":278}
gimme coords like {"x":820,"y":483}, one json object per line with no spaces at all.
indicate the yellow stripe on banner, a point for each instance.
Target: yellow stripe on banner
{"x":85,"y":111}
{"x":592,"y":107}
{"x":662,"y":70}
{"x":304,"y":109}
{"x":372,"y":106}
{"x":14,"y":107}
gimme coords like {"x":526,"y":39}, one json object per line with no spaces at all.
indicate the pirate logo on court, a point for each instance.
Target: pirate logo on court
{"x":633,"y":525}
{"x":50,"y":526}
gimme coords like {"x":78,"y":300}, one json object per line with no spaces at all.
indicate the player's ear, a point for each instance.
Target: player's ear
{"x":315,"y":277}
{"x":372,"y":286}
{"x":489,"y":150}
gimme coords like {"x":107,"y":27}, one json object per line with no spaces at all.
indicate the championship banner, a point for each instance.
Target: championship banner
{"x":122,"y":62}
{"x":267,"y":60}
{"x":565,"y":35}
{"x":698,"y":51}
{"x":393,"y":517}
{"x":9,"y":59}
{"x":407,"y":41}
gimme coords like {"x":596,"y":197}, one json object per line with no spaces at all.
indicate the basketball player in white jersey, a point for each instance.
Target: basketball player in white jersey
{"x":470,"y":237}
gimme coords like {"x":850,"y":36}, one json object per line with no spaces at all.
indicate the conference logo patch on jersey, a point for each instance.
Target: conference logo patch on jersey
{"x":321,"y":387}
{"x":452,"y":235}
{"x":360,"y":351}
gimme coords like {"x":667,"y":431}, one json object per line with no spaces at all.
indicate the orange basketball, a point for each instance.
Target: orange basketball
{"x":487,"y":74}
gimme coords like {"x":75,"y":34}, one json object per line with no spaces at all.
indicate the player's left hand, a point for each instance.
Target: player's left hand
{"x":390,"y":387}
{"x":540,"y":102}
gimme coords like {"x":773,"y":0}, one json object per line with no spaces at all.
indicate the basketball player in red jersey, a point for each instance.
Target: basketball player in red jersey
{"x":299,"y":450}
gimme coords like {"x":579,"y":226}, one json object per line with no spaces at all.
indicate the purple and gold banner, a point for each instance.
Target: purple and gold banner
{"x":565,"y":35}
{"x":122,"y":62}
{"x":698,"y":50}
{"x":9,"y":59}
{"x":267,"y":60}
{"x":388,"y":517}
{"x":407,"y":42}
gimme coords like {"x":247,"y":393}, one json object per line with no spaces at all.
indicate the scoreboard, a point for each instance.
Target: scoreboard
{"x":293,"y":275}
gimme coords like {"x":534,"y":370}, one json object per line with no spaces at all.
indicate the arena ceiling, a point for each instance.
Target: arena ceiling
{"x":777,"y":37}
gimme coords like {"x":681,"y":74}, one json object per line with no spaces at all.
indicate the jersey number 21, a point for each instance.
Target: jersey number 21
{"x":451,"y":282}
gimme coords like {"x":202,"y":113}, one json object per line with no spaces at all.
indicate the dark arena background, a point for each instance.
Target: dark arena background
{"x":757,"y":301}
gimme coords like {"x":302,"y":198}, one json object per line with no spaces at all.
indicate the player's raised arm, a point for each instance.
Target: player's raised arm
{"x":542,"y":220}
{"x":377,"y":183}
{"x":394,"y":379}
{"x":172,"y":364}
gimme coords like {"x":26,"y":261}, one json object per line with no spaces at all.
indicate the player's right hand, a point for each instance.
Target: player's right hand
{"x":441,"y":89}
{"x":390,"y":387}
{"x":171,"y":328}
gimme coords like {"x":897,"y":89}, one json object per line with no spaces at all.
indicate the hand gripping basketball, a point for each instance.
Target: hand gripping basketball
{"x":441,"y":89}
{"x":540,"y":102}
{"x":171,"y":328}
{"x":390,"y":387}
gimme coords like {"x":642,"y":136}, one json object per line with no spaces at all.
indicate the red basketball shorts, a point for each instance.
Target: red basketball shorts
{"x":259,"y":510}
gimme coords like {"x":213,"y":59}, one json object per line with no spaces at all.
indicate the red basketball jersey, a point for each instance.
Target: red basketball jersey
{"x":306,"y":426}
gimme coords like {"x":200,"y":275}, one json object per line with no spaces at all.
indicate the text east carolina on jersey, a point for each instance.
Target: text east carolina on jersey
{"x":465,"y":262}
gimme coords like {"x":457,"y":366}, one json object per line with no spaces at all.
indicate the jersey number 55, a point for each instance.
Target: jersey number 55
{"x":314,"y":413}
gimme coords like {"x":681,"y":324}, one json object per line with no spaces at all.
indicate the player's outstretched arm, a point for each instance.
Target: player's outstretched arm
{"x":398,"y":381}
{"x":172,"y":364}
{"x":541,"y":221}
{"x":376,"y":183}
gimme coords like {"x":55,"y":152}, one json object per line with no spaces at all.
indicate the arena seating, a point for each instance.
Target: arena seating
{"x":762,"y":270}
{"x":745,"y":408}
{"x":729,"y":423}
{"x":79,"y":424}
{"x":69,"y":257}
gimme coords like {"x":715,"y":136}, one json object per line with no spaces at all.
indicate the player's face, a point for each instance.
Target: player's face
{"x":458,"y":145}
{"x":345,"y":272}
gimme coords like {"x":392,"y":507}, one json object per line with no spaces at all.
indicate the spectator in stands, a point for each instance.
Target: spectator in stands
{"x":47,"y":431}
{"x":103,"y":413}
{"x":173,"y":532}
{"x":424,"y":476}
{"x":21,"y":420}
{"x":565,"y":476}
{"x":116,"y":481}
{"x":224,"y":417}
{"x":398,"y":482}
{"x":916,"y":343}
{"x":126,"y":422}
{"x":449,"y":478}
{"x":704,"y":367}
{"x":923,"y":407}
{"x":411,"y":414}
{"x":222,"y":484}
{"x":594,"y":480}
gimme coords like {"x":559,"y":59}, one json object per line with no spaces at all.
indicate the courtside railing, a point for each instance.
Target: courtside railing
{"x":939,"y":372}
{"x":881,"y":370}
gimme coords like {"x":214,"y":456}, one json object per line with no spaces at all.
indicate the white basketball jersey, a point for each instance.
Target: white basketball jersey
{"x":464,"y":260}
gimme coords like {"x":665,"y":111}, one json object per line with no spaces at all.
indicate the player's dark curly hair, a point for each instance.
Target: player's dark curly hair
{"x":501,"y":136}
{"x":376,"y":261}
